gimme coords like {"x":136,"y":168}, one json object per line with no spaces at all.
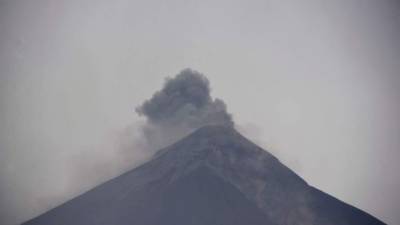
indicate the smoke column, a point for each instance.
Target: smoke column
{"x":181,"y":106}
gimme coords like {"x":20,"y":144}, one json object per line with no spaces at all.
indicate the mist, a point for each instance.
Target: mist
{"x":313,"y":82}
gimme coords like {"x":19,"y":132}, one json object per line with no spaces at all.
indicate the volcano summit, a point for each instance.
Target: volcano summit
{"x":214,"y":176}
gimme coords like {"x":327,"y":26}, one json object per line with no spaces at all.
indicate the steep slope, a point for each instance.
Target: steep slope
{"x":214,"y":176}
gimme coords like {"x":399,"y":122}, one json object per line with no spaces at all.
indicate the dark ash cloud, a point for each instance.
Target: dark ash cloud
{"x":182,"y":105}
{"x":185,"y":100}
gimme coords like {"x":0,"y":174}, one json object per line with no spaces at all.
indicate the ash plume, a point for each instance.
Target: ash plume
{"x":182,"y":105}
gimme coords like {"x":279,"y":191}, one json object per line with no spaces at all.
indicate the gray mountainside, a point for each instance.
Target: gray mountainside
{"x":214,"y":176}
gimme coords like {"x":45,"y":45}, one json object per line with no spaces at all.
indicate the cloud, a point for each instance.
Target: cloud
{"x":181,"y":106}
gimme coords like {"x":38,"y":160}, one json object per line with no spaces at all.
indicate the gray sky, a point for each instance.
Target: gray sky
{"x":314,"y":82}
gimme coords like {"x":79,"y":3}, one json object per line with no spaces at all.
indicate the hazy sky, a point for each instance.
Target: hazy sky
{"x":314,"y":82}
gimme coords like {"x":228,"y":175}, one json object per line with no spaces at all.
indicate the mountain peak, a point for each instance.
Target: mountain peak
{"x":215,"y":133}
{"x":212,"y":176}
{"x":215,"y":129}
{"x":215,"y":139}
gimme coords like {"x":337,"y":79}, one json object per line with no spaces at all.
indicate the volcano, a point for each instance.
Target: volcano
{"x":214,"y":176}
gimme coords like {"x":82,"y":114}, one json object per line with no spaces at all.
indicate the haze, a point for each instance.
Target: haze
{"x":314,"y":82}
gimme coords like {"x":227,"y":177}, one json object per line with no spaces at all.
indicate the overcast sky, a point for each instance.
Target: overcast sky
{"x":314,"y":82}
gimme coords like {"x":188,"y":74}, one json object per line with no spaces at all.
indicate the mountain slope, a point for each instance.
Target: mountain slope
{"x":214,"y":176}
